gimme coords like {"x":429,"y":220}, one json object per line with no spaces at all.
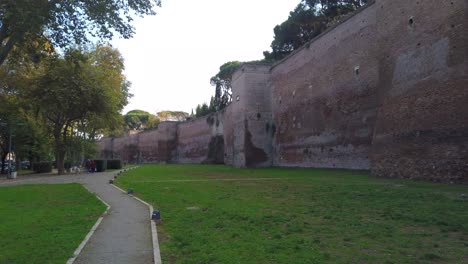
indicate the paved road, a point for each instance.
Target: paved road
{"x":124,"y":235}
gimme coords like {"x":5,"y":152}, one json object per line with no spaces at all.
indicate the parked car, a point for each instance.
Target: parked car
{"x":25,"y":165}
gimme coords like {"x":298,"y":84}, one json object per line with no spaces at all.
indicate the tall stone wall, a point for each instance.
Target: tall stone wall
{"x":201,"y":140}
{"x":158,"y":145}
{"x":251,"y":116}
{"x":422,"y":122}
{"x":325,"y":98}
{"x":385,"y":90}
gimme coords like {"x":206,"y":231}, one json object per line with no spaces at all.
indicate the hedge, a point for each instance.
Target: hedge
{"x":114,"y":164}
{"x":101,"y":165}
{"x":43,"y":166}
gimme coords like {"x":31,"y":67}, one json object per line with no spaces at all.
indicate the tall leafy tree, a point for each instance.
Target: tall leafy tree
{"x":67,"y":22}
{"x":78,"y":88}
{"x":140,"y":120}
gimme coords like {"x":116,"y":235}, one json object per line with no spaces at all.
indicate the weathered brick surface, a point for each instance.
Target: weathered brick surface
{"x":196,"y":139}
{"x":251,"y":115}
{"x":422,"y":124}
{"x":325,"y":98}
{"x":385,"y":90}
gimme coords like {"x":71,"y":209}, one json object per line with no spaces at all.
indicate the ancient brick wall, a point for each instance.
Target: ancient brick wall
{"x":325,"y":98}
{"x":422,"y":123}
{"x":158,"y":145}
{"x":201,"y":140}
{"x":386,"y":90}
{"x":251,"y":116}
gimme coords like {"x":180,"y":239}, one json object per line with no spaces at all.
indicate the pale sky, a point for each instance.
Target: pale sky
{"x":173,"y":55}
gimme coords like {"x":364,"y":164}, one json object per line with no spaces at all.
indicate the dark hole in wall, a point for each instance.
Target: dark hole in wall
{"x":215,"y":150}
{"x":267,"y":127}
{"x":259,"y":116}
{"x":210,"y":120}
{"x":253,"y":155}
{"x":411,"y":22}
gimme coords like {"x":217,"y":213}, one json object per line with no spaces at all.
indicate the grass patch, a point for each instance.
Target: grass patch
{"x":219,"y":214}
{"x":45,"y":223}
{"x":25,"y":172}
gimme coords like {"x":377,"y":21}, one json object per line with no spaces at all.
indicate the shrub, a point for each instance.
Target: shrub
{"x":43,"y":166}
{"x":67,"y":165}
{"x":101,"y":165}
{"x":114,"y":164}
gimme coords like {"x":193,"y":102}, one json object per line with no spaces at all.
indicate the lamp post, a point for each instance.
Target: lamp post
{"x":9,"y":153}
{"x":10,"y":136}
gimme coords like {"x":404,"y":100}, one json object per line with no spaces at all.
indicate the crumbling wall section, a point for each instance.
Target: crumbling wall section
{"x":201,"y":140}
{"x":251,"y":116}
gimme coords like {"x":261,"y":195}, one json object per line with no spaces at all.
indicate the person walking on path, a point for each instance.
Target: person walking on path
{"x":88,"y":165}
{"x":93,"y":166}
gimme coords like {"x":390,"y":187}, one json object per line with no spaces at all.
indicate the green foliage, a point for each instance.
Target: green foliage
{"x":305,"y":22}
{"x":45,"y":223}
{"x":172,"y":115}
{"x":220,"y":214}
{"x":101,"y":165}
{"x":68,"y":23}
{"x":43,"y":166}
{"x":114,"y":164}
{"x":222,"y":83}
{"x":139,"y":120}
{"x":77,"y":97}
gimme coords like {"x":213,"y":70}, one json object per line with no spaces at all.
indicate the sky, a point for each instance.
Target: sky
{"x":173,"y":54}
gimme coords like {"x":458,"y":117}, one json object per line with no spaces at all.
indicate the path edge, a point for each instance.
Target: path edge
{"x":83,"y":243}
{"x":154,"y":233}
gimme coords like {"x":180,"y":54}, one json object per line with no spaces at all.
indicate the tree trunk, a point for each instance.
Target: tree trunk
{"x":3,"y":162}
{"x":60,"y":159}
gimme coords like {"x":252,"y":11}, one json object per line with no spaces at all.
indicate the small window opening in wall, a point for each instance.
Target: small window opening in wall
{"x":356,"y":71}
{"x":259,"y":116}
{"x":411,"y":21}
{"x":237,"y":98}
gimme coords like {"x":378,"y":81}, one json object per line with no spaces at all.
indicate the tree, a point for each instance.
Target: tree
{"x":67,"y":22}
{"x":172,"y":115}
{"x":305,"y":22}
{"x":139,"y":120}
{"x":77,"y":89}
{"x":222,"y":82}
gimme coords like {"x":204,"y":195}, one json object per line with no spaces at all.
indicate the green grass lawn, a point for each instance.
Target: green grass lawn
{"x":218,"y":214}
{"x":45,"y":223}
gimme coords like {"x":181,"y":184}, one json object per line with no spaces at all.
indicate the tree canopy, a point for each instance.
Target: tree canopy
{"x":305,"y":22}
{"x":140,"y":120}
{"x":74,"y":98}
{"x":172,"y":115}
{"x":67,"y":23}
{"x":222,"y":83}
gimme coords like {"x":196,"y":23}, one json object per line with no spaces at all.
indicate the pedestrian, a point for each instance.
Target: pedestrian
{"x":93,"y":166}
{"x":88,"y":165}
